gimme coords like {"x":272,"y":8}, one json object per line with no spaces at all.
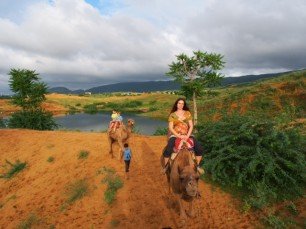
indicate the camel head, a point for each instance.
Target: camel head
{"x":189,"y":182}
{"x":130,"y":123}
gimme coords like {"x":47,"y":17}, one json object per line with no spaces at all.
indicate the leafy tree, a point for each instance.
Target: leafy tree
{"x":29,"y":95}
{"x":196,"y":73}
{"x":29,"y":92}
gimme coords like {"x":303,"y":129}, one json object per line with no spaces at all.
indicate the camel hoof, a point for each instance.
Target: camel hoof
{"x":182,"y":222}
{"x":190,"y":214}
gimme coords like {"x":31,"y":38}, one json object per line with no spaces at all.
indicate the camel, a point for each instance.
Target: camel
{"x":121,"y":135}
{"x":183,"y":180}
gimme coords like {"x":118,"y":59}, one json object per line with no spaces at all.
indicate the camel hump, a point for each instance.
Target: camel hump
{"x":184,"y":157}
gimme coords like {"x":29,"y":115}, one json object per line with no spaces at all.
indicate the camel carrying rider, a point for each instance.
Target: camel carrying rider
{"x":181,"y":127}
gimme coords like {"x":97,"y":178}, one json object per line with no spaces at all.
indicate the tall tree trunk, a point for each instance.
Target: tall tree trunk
{"x":195,"y":110}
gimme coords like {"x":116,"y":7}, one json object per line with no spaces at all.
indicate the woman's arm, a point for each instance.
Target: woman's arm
{"x":190,"y":123}
{"x":173,"y":131}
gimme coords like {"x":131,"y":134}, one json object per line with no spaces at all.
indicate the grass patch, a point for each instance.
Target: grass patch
{"x":13,"y":197}
{"x":72,"y":110}
{"x":83,"y":154}
{"x":29,"y":222}
{"x":113,"y":182}
{"x":161,"y":131}
{"x":114,"y":223}
{"x":274,"y":222}
{"x":292,"y":209}
{"x":76,"y":191}
{"x":91,"y":109}
{"x":105,"y":170}
{"x":15,"y":168}
{"x":50,"y":146}
{"x":50,"y":159}
{"x":2,"y":124}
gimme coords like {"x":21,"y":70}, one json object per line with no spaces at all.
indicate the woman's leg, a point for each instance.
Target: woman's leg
{"x":169,"y":149}
{"x":198,"y":149}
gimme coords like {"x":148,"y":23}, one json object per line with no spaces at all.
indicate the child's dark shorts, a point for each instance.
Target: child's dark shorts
{"x":127,"y":165}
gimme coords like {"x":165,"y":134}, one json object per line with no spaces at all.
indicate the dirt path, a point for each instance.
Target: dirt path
{"x":147,"y":203}
{"x":143,"y":202}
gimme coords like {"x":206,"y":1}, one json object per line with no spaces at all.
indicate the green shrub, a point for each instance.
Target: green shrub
{"x":35,"y":119}
{"x":83,"y":154}
{"x":76,"y":190}
{"x":91,"y":109}
{"x":161,"y":131}
{"x":113,"y":182}
{"x":72,"y":110}
{"x":2,"y":124}
{"x":153,"y":108}
{"x":106,"y":171}
{"x":274,"y":222}
{"x":255,"y":157}
{"x":132,"y":104}
{"x":262,"y":102}
{"x":29,"y":222}
{"x":152,"y":102}
{"x":50,"y":159}
{"x":292,"y":209}
{"x":15,"y":168}
{"x":121,"y":106}
{"x":114,"y":223}
{"x":114,"y":106}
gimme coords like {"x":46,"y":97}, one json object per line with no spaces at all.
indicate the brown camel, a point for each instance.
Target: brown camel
{"x":121,"y":135}
{"x":183,"y":180}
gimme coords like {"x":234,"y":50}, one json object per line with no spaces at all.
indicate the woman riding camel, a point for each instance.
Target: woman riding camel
{"x":180,"y":127}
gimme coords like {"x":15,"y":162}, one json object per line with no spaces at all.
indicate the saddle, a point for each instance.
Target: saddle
{"x":180,"y":143}
{"x":117,"y":125}
{"x":176,"y":152}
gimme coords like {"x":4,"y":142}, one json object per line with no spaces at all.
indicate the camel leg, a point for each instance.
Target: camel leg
{"x":168,"y":180}
{"x":190,"y":213}
{"x":121,"y":148}
{"x":183,"y":216}
{"x":110,"y":141}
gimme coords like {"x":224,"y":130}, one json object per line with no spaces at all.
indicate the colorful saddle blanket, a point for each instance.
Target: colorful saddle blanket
{"x":179,"y":143}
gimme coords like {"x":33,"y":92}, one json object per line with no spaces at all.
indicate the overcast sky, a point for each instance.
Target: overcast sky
{"x":80,"y":44}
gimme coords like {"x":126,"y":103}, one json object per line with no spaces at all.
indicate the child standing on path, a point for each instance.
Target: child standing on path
{"x":127,"y":155}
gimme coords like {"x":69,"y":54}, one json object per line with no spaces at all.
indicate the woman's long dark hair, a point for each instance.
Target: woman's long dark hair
{"x":174,"y":108}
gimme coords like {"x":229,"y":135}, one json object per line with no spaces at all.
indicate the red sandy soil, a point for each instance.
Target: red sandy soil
{"x":7,"y":109}
{"x":142,"y":202}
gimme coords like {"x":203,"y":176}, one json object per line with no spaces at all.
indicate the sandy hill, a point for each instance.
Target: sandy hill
{"x":143,"y":202}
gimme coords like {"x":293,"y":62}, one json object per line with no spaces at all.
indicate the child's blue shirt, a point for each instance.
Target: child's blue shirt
{"x":119,"y":118}
{"x":127,"y":154}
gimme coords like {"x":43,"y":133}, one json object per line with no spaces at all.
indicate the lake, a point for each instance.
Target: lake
{"x":100,"y":122}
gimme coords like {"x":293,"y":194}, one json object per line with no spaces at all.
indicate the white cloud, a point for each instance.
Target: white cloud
{"x":72,"y":41}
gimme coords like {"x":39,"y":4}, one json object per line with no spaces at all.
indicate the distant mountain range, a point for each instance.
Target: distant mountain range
{"x":150,"y":86}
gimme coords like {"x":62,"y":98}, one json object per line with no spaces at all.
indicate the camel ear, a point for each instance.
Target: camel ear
{"x":197,"y":176}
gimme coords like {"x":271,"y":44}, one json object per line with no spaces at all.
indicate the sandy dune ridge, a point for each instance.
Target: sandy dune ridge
{"x":143,"y":202}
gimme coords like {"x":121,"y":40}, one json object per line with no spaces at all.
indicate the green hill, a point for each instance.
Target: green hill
{"x":283,"y":96}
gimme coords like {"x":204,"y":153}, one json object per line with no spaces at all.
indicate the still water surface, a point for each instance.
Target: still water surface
{"x":100,"y":122}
